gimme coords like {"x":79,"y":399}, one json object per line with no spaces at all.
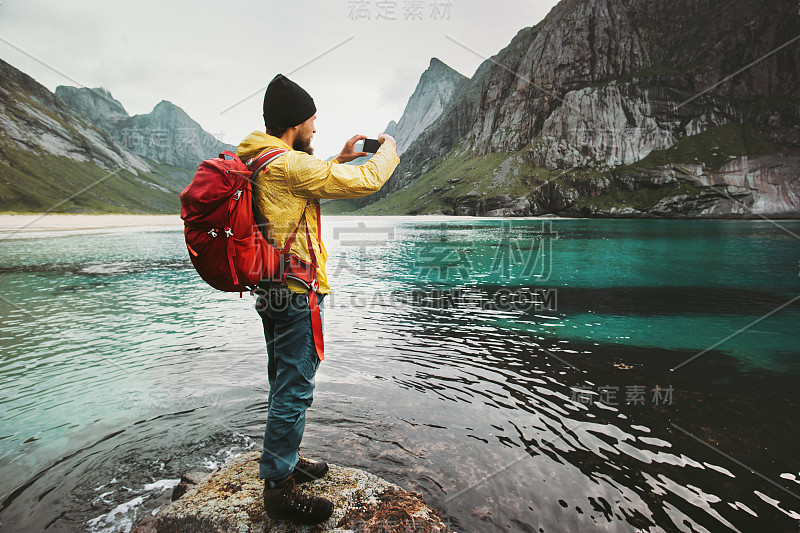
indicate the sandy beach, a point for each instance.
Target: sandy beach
{"x":56,"y":222}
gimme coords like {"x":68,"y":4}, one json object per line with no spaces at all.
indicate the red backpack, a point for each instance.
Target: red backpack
{"x":225,"y":244}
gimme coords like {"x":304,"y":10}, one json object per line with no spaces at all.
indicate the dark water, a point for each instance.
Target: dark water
{"x":569,"y":375}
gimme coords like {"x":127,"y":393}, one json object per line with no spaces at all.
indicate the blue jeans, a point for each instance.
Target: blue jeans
{"x":291,"y":366}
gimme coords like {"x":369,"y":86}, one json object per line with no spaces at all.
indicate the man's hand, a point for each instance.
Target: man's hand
{"x":348,"y":153}
{"x":383,"y":137}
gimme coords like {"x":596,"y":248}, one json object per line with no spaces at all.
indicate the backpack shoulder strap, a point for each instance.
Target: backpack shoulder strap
{"x":257,"y":164}
{"x":287,"y":246}
{"x":319,"y":223}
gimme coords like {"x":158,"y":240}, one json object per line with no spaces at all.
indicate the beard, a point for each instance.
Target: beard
{"x":303,"y":144}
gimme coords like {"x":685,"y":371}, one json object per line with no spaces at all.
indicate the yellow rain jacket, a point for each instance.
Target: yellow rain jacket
{"x":285,"y":184}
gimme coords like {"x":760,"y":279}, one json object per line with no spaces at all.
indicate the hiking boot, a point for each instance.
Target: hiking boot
{"x":283,"y":501}
{"x":307,"y":470}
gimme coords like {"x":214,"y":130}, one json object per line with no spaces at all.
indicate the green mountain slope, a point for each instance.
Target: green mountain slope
{"x":478,"y":185}
{"x":31,"y":183}
{"x":54,"y":159}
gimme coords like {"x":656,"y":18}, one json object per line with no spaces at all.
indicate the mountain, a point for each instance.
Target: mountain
{"x":619,"y":107}
{"x":436,"y":88}
{"x":166,"y":135}
{"x":96,"y":105}
{"x":53,"y":158}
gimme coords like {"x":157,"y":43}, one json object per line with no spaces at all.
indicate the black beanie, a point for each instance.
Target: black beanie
{"x":286,"y":104}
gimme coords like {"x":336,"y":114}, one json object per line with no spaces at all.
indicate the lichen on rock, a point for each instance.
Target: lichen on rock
{"x":230,"y":500}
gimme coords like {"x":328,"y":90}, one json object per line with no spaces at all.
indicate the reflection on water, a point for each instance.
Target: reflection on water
{"x":515,"y":373}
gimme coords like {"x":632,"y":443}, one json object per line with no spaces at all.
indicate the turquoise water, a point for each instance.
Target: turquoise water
{"x":455,"y":348}
{"x":668,"y":284}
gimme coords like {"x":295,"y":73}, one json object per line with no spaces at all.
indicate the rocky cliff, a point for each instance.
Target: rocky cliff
{"x":580,"y":99}
{"x":391,"y":128}
{"x":51,"y":157}
{"x":436,"y":88}
{"x":96,"y":105}
{"x":166,"y":135}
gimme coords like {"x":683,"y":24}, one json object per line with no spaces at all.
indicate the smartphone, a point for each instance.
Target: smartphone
{"x":371,"y":145}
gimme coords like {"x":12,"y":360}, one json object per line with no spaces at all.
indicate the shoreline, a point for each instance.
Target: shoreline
{"x":33,"y":223}
{"x":11,"y":223}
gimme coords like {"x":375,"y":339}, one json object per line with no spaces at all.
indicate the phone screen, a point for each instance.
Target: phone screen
{"x":371,"y":145}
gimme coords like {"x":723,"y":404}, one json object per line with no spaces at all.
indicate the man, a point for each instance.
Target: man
{"x":286,"y":193}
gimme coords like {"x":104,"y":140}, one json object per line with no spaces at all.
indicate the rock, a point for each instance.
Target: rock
{"x":230,"y":500}
{"x":770,"y":182}
{"x":146,"y":525}
{"x":187,"y":482}
{"x":165,"y":135}
{"x":616,"y":124}
{"x":34,"y":120}
{"x":493,"y":206}
{"x":553,"y":153}
{"x":624,"y":211}
{"x":437,"y":87}
{"x":599,"y":83}
{"x":670,"y":204}
{"x":518,"y":207}
{"x":52,"y":156}
{"x":96,"y":105}
{"x":552,"y":197}
{"x":663,"y":176}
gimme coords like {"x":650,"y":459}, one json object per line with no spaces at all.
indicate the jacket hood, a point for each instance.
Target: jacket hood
{"x":257,"y":142}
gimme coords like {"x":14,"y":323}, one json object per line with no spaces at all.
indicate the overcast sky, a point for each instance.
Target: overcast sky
{"x":359,"y":60}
